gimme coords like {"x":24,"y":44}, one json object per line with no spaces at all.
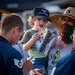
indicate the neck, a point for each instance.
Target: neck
{"x":63,"y":45}
{"x":6,"y":36}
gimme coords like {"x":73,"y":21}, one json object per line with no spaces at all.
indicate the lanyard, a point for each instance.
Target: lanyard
{"x":57,"y":55}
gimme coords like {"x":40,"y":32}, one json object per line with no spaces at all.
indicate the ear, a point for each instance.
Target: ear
{"x":15,"y":29}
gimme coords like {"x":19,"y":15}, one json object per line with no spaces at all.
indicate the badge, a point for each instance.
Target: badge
{"x":18,"y":63}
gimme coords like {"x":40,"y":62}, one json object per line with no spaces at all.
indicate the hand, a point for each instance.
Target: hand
{"x":35,"y":36}
{"x":37,"y":71}
{"x":27,"y":65}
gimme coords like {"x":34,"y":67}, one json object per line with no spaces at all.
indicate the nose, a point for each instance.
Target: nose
{"x":41,"y":21}
{"x":61,"y":34}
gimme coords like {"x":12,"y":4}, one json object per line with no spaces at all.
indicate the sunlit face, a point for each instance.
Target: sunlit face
{"x":40,"y":23}
{"x":68,"y":20}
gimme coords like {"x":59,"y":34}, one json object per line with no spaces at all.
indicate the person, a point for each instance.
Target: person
{"x":11,"y":61}
{"x":19,"y":46}
{"x":34,"y":38}
{"x":64,"y":45}
{"x":66,"y":65}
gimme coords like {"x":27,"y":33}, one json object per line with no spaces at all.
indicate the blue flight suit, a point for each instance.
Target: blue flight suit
{"x":11,"y":62}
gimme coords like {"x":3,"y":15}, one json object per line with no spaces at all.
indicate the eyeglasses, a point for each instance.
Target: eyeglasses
{"x":72,"y":37}
{"x":68,"y":19}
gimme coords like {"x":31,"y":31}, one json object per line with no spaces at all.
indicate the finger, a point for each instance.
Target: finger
{"x":30,"y":58}
{"x":32,"y":72}
{"x":37,"y":73}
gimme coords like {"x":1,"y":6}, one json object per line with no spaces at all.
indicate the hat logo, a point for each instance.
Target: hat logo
{"x":43,"y":12}
{"x":68,"y":11}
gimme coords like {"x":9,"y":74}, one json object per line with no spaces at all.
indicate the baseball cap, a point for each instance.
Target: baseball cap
{"x":41,"y":13}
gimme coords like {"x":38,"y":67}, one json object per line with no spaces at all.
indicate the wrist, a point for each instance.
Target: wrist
{"x":25,"y":72}
{"x":33,"y":40}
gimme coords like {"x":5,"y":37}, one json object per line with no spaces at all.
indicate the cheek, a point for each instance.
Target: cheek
{"x":36,"y":24}
{"x":71,"y":23}
{"x":45,"y":24}
{"x":74,"y":43}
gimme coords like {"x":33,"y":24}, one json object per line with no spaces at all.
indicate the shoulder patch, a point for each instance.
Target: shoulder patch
{"x":18,"y":63}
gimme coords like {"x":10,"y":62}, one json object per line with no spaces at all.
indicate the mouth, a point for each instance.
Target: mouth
{"x":41,"y":26}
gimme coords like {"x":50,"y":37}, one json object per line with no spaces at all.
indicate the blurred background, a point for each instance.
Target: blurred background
{"x":24,"y":7}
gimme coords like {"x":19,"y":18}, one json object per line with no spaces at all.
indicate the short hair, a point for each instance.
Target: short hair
{"x":11,"y":20}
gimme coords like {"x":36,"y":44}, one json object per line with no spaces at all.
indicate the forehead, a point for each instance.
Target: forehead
{"x":41,"y":18}
{"x":65,"y":17}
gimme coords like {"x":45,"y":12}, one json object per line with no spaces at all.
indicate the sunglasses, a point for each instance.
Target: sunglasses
{"x":71,"y":37}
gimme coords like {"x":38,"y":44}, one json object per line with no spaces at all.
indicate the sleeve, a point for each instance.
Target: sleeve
{"x":68,"y":69}
{"x":15,"y":64}
{"x":25,"y":37}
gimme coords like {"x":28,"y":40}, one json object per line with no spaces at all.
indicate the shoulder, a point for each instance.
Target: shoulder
{"x":68,"y":58}
{"x":30,"y":30}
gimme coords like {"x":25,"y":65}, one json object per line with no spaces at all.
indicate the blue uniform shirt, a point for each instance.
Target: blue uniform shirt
{"x":11,"y":62}
{"x":66,"y":65}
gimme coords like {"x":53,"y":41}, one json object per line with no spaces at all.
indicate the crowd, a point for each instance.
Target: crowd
{"x":46,"y":54}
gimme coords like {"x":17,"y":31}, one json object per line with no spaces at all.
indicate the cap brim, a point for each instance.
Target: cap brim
{"x":70,"y":16}
{"x":56,"y":20}
{"x":42,"y":17}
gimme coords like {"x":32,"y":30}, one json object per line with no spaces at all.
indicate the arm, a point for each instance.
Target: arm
{"x":15,"y":64}
{"x":68,"y":69}
{"x":28,"y":45}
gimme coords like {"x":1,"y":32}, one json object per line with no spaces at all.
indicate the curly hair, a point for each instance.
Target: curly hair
{"x":31,"y":20}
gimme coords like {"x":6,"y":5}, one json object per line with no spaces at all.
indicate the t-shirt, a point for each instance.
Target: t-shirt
{"x":11,"y":62}
{"x":66,"y":65}
{"x":63,"y":52}
{"x":33,"y":51}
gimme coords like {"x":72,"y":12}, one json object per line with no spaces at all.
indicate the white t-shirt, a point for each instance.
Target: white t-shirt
{"x":63,"y":52}
{"x":19,"y":47}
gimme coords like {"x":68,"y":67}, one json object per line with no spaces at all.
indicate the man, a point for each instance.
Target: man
{"x":11,"y":62}
{"x":66,"y":65}
{"x":65,"y":23}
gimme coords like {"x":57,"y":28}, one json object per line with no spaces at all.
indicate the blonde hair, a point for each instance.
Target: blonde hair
{"x":31,"y":20}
